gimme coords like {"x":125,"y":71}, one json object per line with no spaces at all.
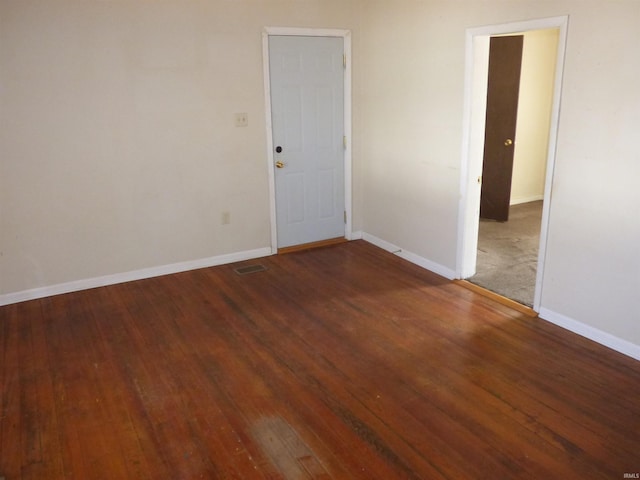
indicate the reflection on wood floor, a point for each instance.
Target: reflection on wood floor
{"x":342,"y":362}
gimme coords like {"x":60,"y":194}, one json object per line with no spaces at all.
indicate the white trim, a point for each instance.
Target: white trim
{"x":551,"y":158}
{"x":309,"y":32}
{"x":467,"y":241}
{"x":348,"y":169}
{"x":521,"y":26}
{"x":521,"y":200}
{"x":467,"y":233}
{"x":411,"y":257}
{"x":603,"y":338}
{"x":105,"y":280}
{"x":269,"y":132}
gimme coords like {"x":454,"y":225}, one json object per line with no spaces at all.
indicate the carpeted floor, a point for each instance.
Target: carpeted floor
{"x":508,"y":253}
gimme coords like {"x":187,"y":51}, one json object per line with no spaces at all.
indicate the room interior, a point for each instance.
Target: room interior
{"x":120,"y":158}
{"x":92,"y":194}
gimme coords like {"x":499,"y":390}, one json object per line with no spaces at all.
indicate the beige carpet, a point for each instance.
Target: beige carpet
{"x":508,"y":253}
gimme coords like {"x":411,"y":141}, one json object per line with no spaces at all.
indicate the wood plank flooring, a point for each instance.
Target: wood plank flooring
{"x":343,"y":362}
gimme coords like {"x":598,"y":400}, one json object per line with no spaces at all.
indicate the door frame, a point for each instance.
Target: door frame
{"x":308,"y":32}
{"x":475,"y":91}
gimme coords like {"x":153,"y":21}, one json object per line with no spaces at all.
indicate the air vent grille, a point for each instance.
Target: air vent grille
{"x":250,"y":269}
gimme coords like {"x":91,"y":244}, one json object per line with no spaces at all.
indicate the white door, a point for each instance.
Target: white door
{"x":307,"y":109}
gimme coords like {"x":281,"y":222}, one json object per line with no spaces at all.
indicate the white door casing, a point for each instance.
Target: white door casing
{"x":476,"y":60}
{"x":307,"y":94}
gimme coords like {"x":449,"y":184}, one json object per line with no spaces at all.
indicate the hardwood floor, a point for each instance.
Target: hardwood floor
{"x":343,"y":362}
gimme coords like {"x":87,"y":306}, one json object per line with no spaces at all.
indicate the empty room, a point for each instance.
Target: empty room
{"x":235,"y":238}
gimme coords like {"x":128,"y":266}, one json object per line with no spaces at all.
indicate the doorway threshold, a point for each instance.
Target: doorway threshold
{"x":309,"y":246}
{"x":530,"y":312}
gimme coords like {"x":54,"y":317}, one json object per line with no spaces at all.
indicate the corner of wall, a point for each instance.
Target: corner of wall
{"x":411,"y":257}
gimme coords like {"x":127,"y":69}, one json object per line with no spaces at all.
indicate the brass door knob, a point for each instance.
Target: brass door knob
{"x":279,"y":164}
{"x":508,"y":142}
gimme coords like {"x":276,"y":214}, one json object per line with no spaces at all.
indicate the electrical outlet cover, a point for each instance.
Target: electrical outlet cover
{"x":242,"y":119}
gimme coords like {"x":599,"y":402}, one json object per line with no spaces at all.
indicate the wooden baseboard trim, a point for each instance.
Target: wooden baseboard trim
{"x":497,"y":297}
{"x":308,"y":246}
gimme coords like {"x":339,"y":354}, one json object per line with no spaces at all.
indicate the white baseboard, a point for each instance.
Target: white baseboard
{"x":357,"y":235}
{"x":105,"y":280}
{"x":411,"y":257}
{"x":603,"y":338}
{"x":623,"y":346}
{"x":619,"y":345}
{"x":518,"y":201}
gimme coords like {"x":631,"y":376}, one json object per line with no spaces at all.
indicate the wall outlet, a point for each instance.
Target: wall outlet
{"x":225,"y":218}
{"x":242,"y":119}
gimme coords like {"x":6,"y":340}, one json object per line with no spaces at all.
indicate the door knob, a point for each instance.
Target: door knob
{"x":279,"y":164}
{"x":278,"y":149}
{"x":508,"y":142}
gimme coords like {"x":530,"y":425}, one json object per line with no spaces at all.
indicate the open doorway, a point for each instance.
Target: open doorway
{"x":531,"y":183}
{"x":519,"y":103}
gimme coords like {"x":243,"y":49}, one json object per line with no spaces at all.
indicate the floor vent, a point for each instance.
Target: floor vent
{"x":250,"y":269}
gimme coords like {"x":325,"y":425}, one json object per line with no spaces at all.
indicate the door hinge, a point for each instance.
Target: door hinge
{"x":344,"y":141}
{"x":344,"y":60}
{"x":345,"y":216}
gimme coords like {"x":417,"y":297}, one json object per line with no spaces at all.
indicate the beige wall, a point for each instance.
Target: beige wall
{"x":118,"y":149}
{"x":411,"y":136}
{"x":534,"y":115}
{"x":411,"y":124}
{"x":593,"y":264}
